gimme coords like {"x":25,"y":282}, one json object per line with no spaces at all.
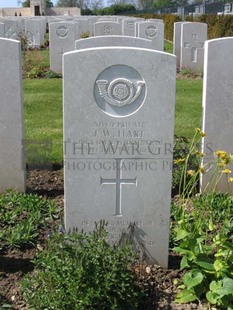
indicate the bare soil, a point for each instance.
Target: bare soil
{"x":14,"y":264}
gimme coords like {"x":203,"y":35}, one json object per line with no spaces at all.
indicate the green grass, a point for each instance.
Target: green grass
{"x":168,"y":47}
{"x":43,"y":118}
{"x":188,"y":107}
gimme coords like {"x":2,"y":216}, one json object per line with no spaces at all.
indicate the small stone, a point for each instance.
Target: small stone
{"x":13,"y":298}
{"x":148,"y":269}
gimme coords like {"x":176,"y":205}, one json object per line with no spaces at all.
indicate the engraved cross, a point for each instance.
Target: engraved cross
{"x":118,"y":181}
{"x":194,"y":45}
{"x":61,"y":52}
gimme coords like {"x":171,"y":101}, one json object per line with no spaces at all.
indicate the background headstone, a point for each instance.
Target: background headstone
{"x":217,"y":107}
{"x":153,"y":31}
{"x":107,"y":28}
{"x":193,"y":37}
{"x":112,"y":41}
{"x":62,"y":37}
{"x":2,"y":30}
{"x":12,"y":165}
{"x":118,"y":132}
{"x":129,"y":26}
{"x":177,"y":42}
{"x":34,"y":32}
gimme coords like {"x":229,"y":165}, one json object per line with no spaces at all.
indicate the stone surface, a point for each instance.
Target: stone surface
{"x":62,"y":37}
{"x":217,"y":106}
{"x":12,"y":28}
{"x":106,"y":28}
{"x":2,"y":30}
{"x":153,"y":31}
{"x":193,"y":37}
{"x":12,"y":164}
{"x":118,"y":132}
{"x":112,"y":41}
{"x":129,"y":26}
{"x":34,"y":32}
{"x":177,"y":42}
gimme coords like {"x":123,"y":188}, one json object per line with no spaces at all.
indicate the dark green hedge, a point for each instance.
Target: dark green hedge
{"x":218,"y":26}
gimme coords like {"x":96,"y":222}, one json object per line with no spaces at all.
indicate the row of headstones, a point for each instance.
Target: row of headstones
{"x":188,"y":40}
{"x":63,"y":36}
{"x":35,"y":28}
{"x":32,"y":30}
{"x":118,"y":134}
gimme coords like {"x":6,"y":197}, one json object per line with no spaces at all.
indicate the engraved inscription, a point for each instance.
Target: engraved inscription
{"x":194,"y":45}
{"x":62,"y":32}
{"x":118,"y":181}
{"x":130,"y":24}
{"x":107,"y":30}
{"x":119,"y":91}
{"x":151,"y":32}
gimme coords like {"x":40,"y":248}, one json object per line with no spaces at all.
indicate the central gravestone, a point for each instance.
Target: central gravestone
{"x":118,"y":131}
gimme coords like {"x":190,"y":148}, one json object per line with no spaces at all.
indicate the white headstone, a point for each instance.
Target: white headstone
{"x":2,"y":30}
{"x":177,"y":42}
{"x":129,"y":27}
{"x":112,"y":41}
{"x":12,"y":29}
{"x":62,"y":37}
{"x":12,"y":164}
{"x":193,"y":37}
{"x":118,"y":132}
{"x":84,"y":26}
{"x":153,"y":31}
{"x":217,"y":107}
{"x":106,"y":28}
{"x":34,"y":33}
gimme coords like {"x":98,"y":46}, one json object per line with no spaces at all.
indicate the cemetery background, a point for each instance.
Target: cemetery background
{"x":50,"y":185}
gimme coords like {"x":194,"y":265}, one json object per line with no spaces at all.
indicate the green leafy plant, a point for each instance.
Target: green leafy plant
{"x":202,"y":229}
{"x":83,"y":271}
{"x":22,"y":217}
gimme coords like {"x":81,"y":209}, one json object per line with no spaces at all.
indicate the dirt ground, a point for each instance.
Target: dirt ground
{"x":15,"y":264}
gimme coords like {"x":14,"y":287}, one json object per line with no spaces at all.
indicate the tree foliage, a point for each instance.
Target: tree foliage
{"x":26,"y":3}
{"x":68,"y":3}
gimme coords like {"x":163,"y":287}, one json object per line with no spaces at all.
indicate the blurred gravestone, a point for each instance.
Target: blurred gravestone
{"x":62,"y":37}
{"x":153,"y":31}
{"x":193,"y":37}
{"x":217,"y":109}
{"x":107,"y":28}
{"x":112,"y":41}
{"x":12,"y":165}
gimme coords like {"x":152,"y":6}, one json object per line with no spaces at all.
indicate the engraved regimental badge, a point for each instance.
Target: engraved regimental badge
{"x":62,"y":32}
{"x":119,"y":91}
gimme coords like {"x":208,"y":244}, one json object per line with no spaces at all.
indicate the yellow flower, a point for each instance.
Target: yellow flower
{"x":230,"y":179}
{"x":197,"y":129}
{"x":221,"y":154}
{"x":202,"y":133}
{"x":227,"y":171}
{"x":202,"y":170}
{"x":190,"y":172}
{"x":178,"y":161}
{"x":223,"y":157}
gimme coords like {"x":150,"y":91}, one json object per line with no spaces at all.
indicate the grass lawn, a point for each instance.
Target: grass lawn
{"x":188,"y":106}
{"x":43,"y":118}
